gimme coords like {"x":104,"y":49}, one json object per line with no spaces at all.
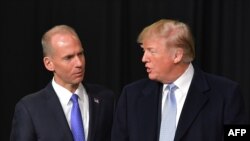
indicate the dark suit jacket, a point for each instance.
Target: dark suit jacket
{"x":40,"y":117}
{"x":211,"y":102}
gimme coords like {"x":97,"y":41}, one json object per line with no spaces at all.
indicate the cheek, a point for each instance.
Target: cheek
{"x":161,"y":67}
{"x":83,"y":61}
{"x":163,"y":64}
{"x":63,"y":68}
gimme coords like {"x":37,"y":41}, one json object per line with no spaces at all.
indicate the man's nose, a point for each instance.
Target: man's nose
{"x":79,"y":60}
{"x":144,"y":57}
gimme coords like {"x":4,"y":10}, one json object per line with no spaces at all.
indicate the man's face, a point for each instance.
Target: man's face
{"x":158,"y":59}
{"x":67,"y":59}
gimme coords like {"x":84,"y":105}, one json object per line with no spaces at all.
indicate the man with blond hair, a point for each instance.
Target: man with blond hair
{"x":179,"y":102}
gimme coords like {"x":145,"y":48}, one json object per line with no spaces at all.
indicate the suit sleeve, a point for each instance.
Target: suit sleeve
{"x":22,"y":127}
{"x":235,"y":108}
{"x":119,"y":130}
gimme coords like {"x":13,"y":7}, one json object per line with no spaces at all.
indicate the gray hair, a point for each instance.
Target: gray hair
{"x":59,"y":29}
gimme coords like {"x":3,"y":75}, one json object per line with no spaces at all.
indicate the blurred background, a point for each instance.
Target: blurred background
{"x":108,"y":30}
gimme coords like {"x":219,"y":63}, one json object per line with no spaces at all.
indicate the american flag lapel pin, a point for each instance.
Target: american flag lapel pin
{"x":96,"y":100}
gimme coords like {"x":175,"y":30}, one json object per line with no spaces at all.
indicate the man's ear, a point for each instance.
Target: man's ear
{"x":178,"y":55}
{"x":48,"y":63}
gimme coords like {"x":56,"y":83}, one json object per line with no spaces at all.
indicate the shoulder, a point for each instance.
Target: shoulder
{"x":222,"y":84}
{"x":219,"y":80}
{"x":142,"y":83}
{"x":98,"y":90}
{"x":37,"y":97}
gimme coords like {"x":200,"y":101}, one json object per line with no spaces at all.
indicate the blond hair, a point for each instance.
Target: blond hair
{"x":174,"y":32}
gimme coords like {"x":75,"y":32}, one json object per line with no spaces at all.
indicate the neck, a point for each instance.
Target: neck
{"x":176,"y":73}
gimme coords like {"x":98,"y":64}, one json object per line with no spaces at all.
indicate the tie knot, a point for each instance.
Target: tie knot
{"x":74,"y":98}
{"x":172,"y":87}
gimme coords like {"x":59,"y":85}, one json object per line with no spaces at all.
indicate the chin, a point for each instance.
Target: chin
{"x":151,"y":77}
{"x":154,"y":78}
{"x":78,"y":80}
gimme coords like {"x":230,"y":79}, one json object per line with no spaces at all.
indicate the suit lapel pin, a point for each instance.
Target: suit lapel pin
{"x":96,"y":100}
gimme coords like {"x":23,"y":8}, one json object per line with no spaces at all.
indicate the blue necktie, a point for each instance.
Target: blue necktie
{"x":76,"y":120}
{"x":168,"y":122}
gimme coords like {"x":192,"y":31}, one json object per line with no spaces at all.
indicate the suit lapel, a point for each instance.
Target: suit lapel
{"x":94,"y":107}
{"x":195,"y":101}
{"x":147,"y":111}
{"x":56,"y":111}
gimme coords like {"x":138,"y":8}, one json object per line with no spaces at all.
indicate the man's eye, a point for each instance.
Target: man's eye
{"x":67,"y":57}
{"x":80,"y":54}
{"x":152,"y":51}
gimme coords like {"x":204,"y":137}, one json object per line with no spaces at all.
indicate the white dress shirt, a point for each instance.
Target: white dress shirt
{"x":183,"y":84}
{"x":64,"y":96}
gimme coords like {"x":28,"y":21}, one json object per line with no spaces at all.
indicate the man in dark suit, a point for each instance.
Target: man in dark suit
{"x":204,"y":103}
{"x":46,"y":115}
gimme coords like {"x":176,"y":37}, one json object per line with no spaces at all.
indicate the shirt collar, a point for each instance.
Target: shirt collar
{"x":64,"y":95}
{"x":184,"y":81}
